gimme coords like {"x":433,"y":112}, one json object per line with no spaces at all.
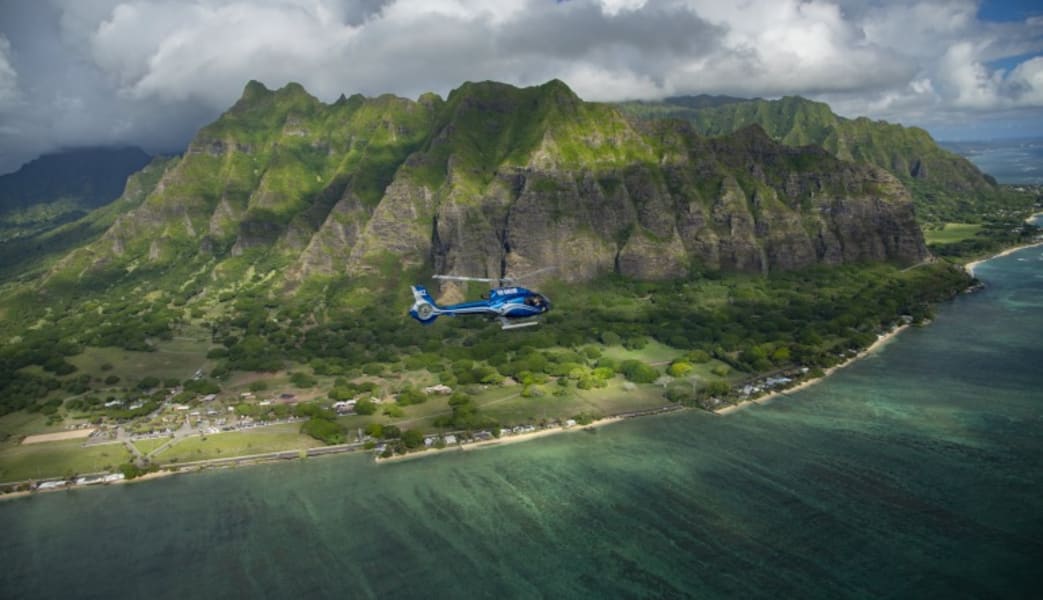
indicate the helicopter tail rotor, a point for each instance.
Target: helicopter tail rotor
{"x":424,"y":308}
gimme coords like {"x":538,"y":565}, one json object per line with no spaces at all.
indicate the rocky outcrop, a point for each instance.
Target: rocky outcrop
{"x":499,"y":180}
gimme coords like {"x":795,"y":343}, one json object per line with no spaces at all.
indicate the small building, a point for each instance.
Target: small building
{"x":438,"y":389}
{"x":450,"y":439}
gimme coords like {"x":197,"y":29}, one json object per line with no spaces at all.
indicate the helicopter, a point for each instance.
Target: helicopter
{"x":513,"y":306}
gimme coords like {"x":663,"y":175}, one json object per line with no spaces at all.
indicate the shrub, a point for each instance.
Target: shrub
{"x":638,"y":372}
{"x":679,"y":368}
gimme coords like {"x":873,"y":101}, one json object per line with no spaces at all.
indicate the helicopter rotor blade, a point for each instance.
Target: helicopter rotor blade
{"x":529,"y":274}
{"x":462,"y":278}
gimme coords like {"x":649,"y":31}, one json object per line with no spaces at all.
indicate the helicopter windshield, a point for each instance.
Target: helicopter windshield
{"x":536,"y":301}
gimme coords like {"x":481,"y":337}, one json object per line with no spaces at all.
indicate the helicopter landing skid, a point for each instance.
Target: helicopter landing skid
{"x":505,"y":324}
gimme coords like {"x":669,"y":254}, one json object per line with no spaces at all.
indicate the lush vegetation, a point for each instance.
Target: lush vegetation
{"x":945,"y":187}
{"x":148,"y":325}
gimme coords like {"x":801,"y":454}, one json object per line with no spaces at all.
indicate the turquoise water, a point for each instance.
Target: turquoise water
{"x":917,"y":472}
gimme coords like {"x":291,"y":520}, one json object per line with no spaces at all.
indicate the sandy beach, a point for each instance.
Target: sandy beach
{"x":879,"y":343}
{"x":500,"y":441}
{"x":971,"y":265}
{"x":1029,"y":219}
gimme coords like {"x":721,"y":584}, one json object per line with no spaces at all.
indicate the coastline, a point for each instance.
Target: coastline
{"x":969,"y":267}
{"x":500,"y":441}
{"x":231,"y":462}
{"x":879,"y":343}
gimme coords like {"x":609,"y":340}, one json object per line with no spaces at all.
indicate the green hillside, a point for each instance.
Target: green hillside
{"x":945,"y":187}
{"x":275,"y":257}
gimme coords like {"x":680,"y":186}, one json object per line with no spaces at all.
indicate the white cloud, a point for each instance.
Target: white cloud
{"x":9,"y":93}
{"x":147,"y":70}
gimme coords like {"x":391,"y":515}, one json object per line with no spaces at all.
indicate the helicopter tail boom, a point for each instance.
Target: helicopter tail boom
{"x":424,"y":308}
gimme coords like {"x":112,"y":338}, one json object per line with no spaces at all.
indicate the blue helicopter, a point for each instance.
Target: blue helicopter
{"x":513,"y":306}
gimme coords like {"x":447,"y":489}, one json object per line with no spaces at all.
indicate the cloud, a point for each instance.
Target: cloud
{"x":9,"y":94}
{"x":153,"y":71}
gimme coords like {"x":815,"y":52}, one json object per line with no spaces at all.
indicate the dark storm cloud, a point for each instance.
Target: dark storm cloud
{"x":151,"y":72}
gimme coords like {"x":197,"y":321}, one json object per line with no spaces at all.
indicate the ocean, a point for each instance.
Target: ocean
{"x":915,"y":472}
{"x":1009,"y":161}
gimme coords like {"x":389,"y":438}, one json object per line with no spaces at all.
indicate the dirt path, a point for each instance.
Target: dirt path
{"x":57,"y":437}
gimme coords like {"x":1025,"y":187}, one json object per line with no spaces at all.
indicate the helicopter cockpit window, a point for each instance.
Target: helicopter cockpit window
{"x":533,"y":301}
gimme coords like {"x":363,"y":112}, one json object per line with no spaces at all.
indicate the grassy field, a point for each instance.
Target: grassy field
{"x":951,"y":232}
{"x":146,"y":446}
{"x":56,"y":459}
{"x":653,"y":353}
{"x":237,"y":443}
{"x":177,"y":359}
{"x":17,"y":424}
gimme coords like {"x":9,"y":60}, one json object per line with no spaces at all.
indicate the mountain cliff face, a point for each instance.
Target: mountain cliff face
{"x":496,"y":179}
{"x":943,"y":184}
{"x":88,"y":177}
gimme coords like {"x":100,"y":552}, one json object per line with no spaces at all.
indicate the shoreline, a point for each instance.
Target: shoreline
{"x":880,"y":342}
{"x":232,"y":462}
{"x":501,"y":441}
{"x":969,"y":267}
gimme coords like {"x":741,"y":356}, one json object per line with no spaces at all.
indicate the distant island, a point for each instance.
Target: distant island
{"x":246,"y":300}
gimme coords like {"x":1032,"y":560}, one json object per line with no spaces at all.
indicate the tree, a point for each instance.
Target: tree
{"x":324,"y":430}
{"x":148,"y":382}
{"x":302,"y":380}
{"x":638,"y":372}
{"x":679,"y":368}
{"x":412,"y":438}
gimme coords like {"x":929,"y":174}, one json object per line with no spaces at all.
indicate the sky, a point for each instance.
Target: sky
{"x":152,"y":72}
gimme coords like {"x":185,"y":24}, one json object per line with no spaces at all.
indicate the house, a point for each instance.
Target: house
{"x":438,"y":389}
{"x":343,"y":406}
{"x":450,"y":439}
{"x":570,"y":422}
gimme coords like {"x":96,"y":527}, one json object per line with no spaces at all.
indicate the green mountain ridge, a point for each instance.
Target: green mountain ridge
{"x":492,"y":179}
{"x":56,"y":189}
{"x":944,"y":185}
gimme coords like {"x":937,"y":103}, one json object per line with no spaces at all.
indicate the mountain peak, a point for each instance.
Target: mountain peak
{"x":254,"y":89}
